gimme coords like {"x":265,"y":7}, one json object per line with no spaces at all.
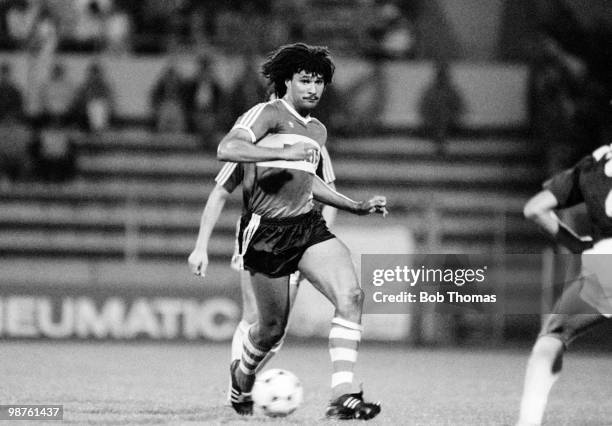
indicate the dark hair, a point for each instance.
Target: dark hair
{"x":291,"y":59}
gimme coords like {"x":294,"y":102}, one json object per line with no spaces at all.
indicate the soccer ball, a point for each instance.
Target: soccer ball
{"x":277,"y":392}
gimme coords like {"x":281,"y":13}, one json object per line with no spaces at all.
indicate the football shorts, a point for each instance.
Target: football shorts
{"x":597,"y":273}
{"x":274,"y":247}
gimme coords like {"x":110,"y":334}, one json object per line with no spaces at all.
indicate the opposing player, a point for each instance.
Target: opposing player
{"x":229,"y":178}
{"x":587,"y":301}
{"x":279,"y":144}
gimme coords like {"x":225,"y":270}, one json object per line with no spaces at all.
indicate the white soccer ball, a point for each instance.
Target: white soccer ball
{"x":277,"y":392}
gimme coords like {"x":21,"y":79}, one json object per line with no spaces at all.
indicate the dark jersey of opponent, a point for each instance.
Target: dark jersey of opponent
{"x":589,"y":182}
{"x":280,"y":189}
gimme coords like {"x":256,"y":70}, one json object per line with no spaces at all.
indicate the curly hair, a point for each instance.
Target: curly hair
{"x":291,"y":59}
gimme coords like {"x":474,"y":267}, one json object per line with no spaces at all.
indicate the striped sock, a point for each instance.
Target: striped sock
{"x":237,"y":340}
{"x":252,"y":356}
{"x":344,"y":338}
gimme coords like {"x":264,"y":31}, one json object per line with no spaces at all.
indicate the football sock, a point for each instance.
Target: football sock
{"x":241,"y":330}
{"x":540,"y":376}
{"x":252,"y":357}
{"x":344,"y":338}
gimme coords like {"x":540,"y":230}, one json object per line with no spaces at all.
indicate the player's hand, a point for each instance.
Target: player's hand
{"x":198,"y":262}
{"x":300,"y":151}
{"x":376,"y":204}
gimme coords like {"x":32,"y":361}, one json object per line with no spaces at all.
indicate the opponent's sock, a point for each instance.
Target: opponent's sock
{"x":251,"y":358}
{"x":344,"y":338}
{"x":541,"y":374}
{"x":237,"y":340}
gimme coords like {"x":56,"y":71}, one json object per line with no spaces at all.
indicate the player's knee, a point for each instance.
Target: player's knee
{"x":350,"y":302}
{"x":550,"y":350}
{"x":271,"y":333}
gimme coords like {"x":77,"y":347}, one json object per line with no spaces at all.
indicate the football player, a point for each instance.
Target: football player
{"x":587,"y":301}
{"x":281,"y":232}
{"x":229,"y":178}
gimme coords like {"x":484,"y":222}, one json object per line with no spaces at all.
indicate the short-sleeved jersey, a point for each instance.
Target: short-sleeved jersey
{"x":231,"y":174}
{"x":589,"y":181}
{"x":277,"y":189}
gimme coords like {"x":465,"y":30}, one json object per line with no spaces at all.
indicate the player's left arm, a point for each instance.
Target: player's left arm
{"x":540,"y":209}
{"x":325,"y":171}
{"x":329,"y":196}
{"x":329,"y":212}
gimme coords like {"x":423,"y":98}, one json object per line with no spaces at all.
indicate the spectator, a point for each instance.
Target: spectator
{"x":57,"y":96}
{"x":392,"y":33}
{"x":54,"y":155}
{"x":202,"y":21}
{"x":42,"y":47}
{"x":11,"y":98}
{"x":203,"y":94}
{"x":571,"y":43}
{"x":249,"y":89}
{"x":15,"y":139}
{"x":43,"y":35}
{"x":332,"y":111}
{"x":118,"y":29}
{"x":168,"y":102}
{"x":88,"y":32}
{"x":441,"y":107}
{"x":94,"y":100}
{"x":20,"y":20}
{"x":553,"y":94}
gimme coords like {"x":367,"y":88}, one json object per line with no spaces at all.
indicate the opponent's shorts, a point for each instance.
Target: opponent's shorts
{"x":597,"y":274}
{"x":274,"y":247}
{"x":587,"y":301}
{"x":571,"y":315}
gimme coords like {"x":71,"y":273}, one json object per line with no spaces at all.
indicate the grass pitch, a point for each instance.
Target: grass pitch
{"x":146,"y":383}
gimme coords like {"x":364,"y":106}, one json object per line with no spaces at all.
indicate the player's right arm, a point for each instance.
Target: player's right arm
{"x":540,"y":209}
{"x":240,"y":145}
{"x":198,"y":259}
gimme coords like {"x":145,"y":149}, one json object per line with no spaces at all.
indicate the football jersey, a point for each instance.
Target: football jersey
{"x":280,"y":188}
{"x":589,"y":181}
{"x":231,"y":174}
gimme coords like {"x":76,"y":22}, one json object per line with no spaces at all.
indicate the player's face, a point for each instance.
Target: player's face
{"x":304,"y":90}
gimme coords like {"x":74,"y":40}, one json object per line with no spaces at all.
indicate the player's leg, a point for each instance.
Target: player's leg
{"x":293,"y":288}
{"x":328,"y":266}
{"x":249,"y":314}
{"x":272,"y":297}
{"x":570,"y":318}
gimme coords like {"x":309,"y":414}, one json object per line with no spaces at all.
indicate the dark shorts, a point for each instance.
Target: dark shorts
{"x":274,"y":247}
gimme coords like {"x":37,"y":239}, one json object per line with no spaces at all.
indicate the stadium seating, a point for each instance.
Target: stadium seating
{"x":140,"y":195}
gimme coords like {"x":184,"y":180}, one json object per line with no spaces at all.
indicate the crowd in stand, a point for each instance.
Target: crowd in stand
{"x":41,"y":116}
{"x":571,"y":91}
{"x":156,"y":26}
{"x":38,"y":139}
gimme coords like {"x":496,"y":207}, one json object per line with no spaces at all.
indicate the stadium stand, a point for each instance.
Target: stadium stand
{"x":139,"y":195}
